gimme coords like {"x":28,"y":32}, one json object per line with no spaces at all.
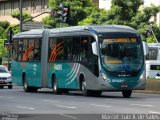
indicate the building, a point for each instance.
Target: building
{"x":106,"y":4}
{"x":34,"y":7}
{"x":39,"y":6}
{"x":31,"y":6}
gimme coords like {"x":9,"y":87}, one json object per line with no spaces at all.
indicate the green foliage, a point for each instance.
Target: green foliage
{"x":150,"y":39}
{"x":3,"y":36}
{"x":125,"y":9}
{"x":142,"y":24}
{"x":4,"y":24}
{"x":79,"y":10}
{"x":97,"y":17}
{"x":124,"y":12}
{"x":25,"y":15}
{"x":121,"y":13}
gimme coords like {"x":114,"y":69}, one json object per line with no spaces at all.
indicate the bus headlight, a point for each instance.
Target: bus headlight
{"x":142,"y":76}
{"x":104,"y":76}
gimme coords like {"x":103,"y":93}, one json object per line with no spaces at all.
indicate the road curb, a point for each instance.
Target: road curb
{"x":146,"y":91}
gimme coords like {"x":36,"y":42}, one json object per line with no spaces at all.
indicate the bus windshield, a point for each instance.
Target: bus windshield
{"x":121,"y":54}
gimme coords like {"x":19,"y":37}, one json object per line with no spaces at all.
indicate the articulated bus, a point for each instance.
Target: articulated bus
{"x":92,"y":59}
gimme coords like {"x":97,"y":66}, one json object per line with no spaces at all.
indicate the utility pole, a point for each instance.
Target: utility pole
{"x":20,"y":7}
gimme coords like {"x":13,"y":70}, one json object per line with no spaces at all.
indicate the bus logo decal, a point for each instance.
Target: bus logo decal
{"x":27,"y":53}
{"x":58,"y":66}
{"x":72,"y":70}
{"x":56,"y":51}
{"x":74,"y":74}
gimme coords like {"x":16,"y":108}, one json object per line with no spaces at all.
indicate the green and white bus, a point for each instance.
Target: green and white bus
{"x":92,"y":59}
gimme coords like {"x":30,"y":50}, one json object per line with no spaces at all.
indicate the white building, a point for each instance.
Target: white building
{"x":106,"y":4}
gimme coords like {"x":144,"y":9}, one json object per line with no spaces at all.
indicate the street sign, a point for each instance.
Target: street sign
{"x":32,"y":25}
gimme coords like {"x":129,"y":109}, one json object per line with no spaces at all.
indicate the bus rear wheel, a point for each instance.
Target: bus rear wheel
{"x":28,"y":88}
{"x":127,"y":93}
{"x":25,"y":85}
{"x":56,"y":90}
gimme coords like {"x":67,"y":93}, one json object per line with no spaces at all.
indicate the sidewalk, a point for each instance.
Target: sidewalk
{"x":152,"y":87}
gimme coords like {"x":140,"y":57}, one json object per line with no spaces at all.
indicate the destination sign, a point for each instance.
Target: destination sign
{"x":122,"y":40}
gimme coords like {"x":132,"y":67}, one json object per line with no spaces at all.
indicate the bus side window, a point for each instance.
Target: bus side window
{"x":83,"y":48}
{"x":59,"y":49}
{"x":75,"y":48}
{"x":20,"y":50}
{"x":68,"y":48}
{"x":37,"y":50}
{"x":15,"y":49}
{"x":52,"y":49}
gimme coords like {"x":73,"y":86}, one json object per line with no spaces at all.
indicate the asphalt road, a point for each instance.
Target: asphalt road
{"x":45,"y":105}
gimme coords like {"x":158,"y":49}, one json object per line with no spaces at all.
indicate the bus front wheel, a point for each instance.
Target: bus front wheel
{"x":127,"y":93}
{"x":85,"y":92}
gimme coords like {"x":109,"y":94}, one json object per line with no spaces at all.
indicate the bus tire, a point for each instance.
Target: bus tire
{"x":127,"y":93}
{"x":26,"y":88}
{"x":96,"y":93}
{"x":56,"y":90}
{"x":33,"y":89}
{"x":10,"y":87}
{"x":1,"y":87}
{"x":85,"y":92}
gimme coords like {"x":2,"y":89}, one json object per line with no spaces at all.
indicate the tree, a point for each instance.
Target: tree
{"x":25,"y":15}
{"x":97,"y":16}
{"x":78,"y":11}
{"x":3,"y":36}
{"x":124,"y":12}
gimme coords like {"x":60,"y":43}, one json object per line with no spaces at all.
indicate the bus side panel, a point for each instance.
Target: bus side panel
{"x":33,"y":74}
{"x":30,"y":69}
{"x":16,"y":73}
{"x":66,"y":74}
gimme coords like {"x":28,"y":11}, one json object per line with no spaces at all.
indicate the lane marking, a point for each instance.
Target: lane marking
{"x":69,"y":116}
{"x":7,"y":97}
{"x":51,"y":101}
{"x":100,"y":105}
{"x":66,"y":106}
{"x":154,"y":112}
{"x":23,"y":107}
{"x":142,"y":105}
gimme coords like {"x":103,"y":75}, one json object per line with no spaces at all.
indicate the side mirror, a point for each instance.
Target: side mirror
{"x":145,"y":48}
{"x":94,"y":48}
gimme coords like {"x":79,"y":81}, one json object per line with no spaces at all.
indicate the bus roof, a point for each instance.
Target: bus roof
{"x":93,"y":29}
{"x":33,"y":33}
